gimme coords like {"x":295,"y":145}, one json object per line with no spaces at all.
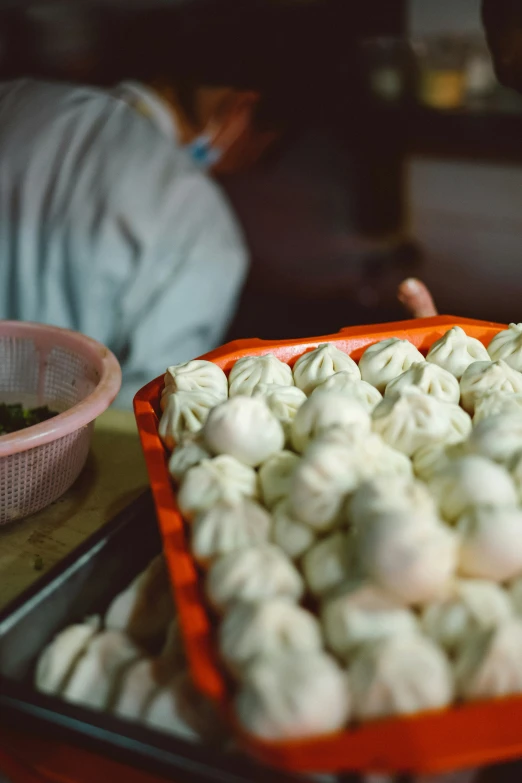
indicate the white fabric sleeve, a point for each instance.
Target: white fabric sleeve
{"x":195,"y":292}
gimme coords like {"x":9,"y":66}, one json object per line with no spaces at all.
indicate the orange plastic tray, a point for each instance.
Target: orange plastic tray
{"x":462,"y":737}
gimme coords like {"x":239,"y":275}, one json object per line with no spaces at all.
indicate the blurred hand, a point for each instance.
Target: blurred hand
{"x":416,"y":299}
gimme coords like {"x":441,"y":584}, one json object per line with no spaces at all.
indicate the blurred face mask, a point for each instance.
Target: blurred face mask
{"x":227,"y":129}
{"x":203,"y":153}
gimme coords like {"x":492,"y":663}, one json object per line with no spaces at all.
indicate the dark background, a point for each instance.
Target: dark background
{"x":336,"y":215}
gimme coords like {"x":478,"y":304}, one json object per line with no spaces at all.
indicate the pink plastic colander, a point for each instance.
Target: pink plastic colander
{"x":72,"y":374}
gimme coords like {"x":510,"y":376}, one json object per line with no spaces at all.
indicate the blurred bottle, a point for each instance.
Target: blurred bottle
{"x":388,"y":66}
{"x":442,"y":62}
{"x":480,"y":75}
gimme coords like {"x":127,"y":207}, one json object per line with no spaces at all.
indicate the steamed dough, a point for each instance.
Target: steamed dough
{"x":363,"y":553}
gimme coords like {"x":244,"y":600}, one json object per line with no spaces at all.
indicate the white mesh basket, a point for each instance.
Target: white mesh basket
{"x":44,"y":365}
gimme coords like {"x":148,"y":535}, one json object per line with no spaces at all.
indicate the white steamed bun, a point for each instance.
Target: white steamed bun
{"x":283,"y":401}
{"x":197,"y":375}
{"x":185,"y":412}
{"x":293,"y":537}
{"x":245,"y":428}
{"x":275,"y":477}
{"x":95,"y":674}
{"x":167,"y":703}
{"x":430,"y":379}
{"x":414,"y":420}
{"x":294,"y":697}
{"x":455,"y":351}
{"x":189,"y":453}
{"x":351,"y":437}
{"x":380,"y":459}
{"x":167,"y":712}
{"x":515,"y":470}
{"x":328,"y":563}
{"x":507,"y":345}
{"x":434,"y":457}
{"x":498,"y":438}
{"x":491,"y":543}
{"x":270,"y":628}
{"x":360,"y":612}
{"x":213,"y":480}
{"x":227,"y":526}
{"x":469,"y":606}
{"x":386,"y":360}
{"x":373,"y":456}
{"x":249,"y":371}
{"x":385,"y":495}
{"x":56,"y":663}
{"x":324,"y":411}
{"x":255,"y":573}
{"x":138,"y":686}
{"x":496,"y":403}
{"x":400,"y":675}
{"x":327,"y":473}
{"x":412,"y":559}
{"x":486,"y":377}
{"x":314,"y":367}
{"x":347,"y":383}
{"x":429,"y":459}
{"x":489,"y":665}
{"x":468,"y":482}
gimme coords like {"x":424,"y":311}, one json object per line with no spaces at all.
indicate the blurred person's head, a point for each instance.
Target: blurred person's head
{"x":503,"y":26}
{"x":236,"y":73}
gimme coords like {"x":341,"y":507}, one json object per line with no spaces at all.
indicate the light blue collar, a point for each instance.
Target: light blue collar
{"x":145,"y":100}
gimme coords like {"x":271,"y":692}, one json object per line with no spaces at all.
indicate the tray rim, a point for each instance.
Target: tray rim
{"x":361,"y":749}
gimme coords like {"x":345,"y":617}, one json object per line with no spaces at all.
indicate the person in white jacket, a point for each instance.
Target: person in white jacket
{"x":109,"y":221}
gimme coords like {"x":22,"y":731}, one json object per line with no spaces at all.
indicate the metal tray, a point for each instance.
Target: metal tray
{"x":84,"y":584}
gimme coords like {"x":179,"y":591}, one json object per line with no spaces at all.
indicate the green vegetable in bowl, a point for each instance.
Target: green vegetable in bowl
{"x":15,"y":417}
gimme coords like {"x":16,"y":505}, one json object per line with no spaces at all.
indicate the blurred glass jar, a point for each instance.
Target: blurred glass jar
{"x":388,"y":65}
{"x":442,"y":64}
{"x":481,"y":81}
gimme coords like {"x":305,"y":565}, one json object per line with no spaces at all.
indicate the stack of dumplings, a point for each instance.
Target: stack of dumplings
{"x":130,"y":663}
{"x":358,"y":526}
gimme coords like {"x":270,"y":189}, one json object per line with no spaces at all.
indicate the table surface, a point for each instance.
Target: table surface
{"x":113,"y":477}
